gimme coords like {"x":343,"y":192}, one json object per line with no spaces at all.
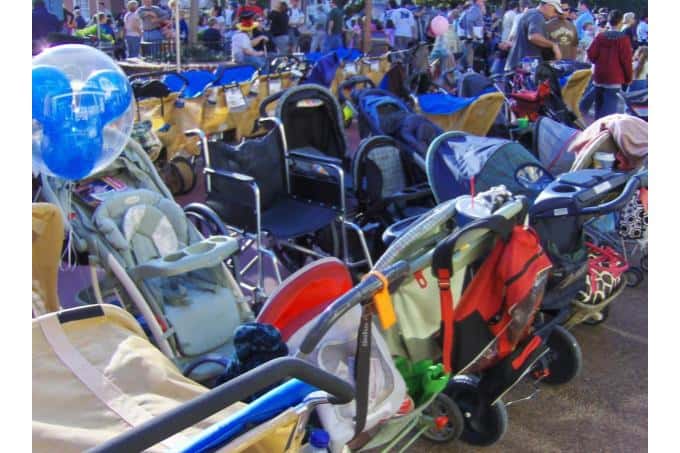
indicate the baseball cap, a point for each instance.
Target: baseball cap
{"x":557,"y":4}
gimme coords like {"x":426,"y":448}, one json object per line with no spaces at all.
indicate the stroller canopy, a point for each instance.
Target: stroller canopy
{"x":380,"y":110}
{"x":455,"y":159}
{"x":551,"y":144}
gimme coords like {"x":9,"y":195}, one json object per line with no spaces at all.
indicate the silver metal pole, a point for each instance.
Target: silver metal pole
{"x":99,"y":30}
{"x":177,"y":37}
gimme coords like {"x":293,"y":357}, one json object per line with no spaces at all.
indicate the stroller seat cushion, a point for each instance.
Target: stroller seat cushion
{"x":387,"y":160}
{"x":144,"y":224}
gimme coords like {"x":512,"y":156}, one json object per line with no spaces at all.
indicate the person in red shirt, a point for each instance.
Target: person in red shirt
{"x":612,"y":55}
{"x":251,"y":5}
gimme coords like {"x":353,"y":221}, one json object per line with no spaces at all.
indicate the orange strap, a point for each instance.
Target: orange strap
{"x":446,"y":307}
{"x":383,"y":302}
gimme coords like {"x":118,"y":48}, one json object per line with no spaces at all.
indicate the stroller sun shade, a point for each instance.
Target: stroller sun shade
{"x":455,"y":158}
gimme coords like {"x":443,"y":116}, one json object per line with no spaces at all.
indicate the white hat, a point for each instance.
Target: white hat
{"x":555,"y":3}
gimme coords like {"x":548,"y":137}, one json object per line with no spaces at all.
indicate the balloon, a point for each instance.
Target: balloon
{"x":82,"y":111}
{"x":116,"y":90}
{"x":48,"y":82}
{"x":439,"y":25}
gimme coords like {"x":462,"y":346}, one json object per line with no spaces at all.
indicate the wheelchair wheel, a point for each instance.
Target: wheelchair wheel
{"x":565,"y":359}
{"x":603,"y":315}
{"x":186,"y":172}
{"x":443,"y":406}
{"x":633,"y":277}
{"x":481,"y":426}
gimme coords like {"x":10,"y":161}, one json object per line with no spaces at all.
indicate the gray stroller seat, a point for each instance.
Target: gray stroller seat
{"x":194,"y":298}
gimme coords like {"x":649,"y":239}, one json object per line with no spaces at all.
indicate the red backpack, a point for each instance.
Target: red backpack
{"x":498,"y":306}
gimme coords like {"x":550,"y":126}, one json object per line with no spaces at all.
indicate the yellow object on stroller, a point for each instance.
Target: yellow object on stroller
{"x":475,"y":117}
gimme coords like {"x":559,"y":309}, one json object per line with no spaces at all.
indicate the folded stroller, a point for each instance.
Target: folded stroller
{"x":141,"y":396}
{"x":459,"y":164}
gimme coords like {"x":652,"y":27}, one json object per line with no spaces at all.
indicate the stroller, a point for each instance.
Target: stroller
{"x":617,"y":140}
{"x":459,"y":164}
{"x":77,"y":407}
{"x":412,"y":332}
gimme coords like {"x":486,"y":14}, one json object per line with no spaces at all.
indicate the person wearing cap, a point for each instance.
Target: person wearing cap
{"x":242,"y":42}
{"x":612,"y":57}
{"x":562,"y":31}
{"x":532,"y":39}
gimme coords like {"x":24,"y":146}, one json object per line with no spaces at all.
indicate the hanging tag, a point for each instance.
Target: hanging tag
{"x":382,"y":301}
{"x":350,"y":68}
{"x":274,"y":86}
{"x":234,"y":97}
{"x":375,"y":66}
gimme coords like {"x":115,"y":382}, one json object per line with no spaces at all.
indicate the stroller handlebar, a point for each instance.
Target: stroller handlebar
{"x":350,"y":84}
{"x":633,"y":184}
{"x":164,"y":426}
{"x":268,"y":100}
{"x":361,"y":293}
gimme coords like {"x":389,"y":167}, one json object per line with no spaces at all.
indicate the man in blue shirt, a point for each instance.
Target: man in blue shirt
{"x":473,"y":26}
{"x":584,"y":17}
{"x":643,"y":29}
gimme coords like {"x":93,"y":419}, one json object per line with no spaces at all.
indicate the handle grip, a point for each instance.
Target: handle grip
{"x":350,"y":84}
{"x":616,"y":204}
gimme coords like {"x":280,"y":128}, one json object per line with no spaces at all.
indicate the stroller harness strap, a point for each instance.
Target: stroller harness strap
{"x":100,"y":385}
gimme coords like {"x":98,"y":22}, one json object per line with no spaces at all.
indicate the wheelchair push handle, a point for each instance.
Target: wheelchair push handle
{"x":633,"y":184}
{"x":251,"y":382}
{"x":361,"y":293}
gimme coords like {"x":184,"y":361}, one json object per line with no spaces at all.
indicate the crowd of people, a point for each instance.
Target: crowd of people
{"x":480,"y":37}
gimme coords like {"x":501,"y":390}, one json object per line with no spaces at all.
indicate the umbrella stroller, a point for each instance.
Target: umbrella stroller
{"x":459,"y":164}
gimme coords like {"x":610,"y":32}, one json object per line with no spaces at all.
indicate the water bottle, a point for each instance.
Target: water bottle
{"x":318,"y":442}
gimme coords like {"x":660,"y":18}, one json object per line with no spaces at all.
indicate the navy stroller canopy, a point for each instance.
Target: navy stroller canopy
{"x":456,"y":160}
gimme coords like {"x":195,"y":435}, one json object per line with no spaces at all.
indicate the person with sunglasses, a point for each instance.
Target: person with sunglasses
{"x":562,"y":31}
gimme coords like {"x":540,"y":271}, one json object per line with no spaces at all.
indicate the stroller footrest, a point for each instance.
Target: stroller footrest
{"x":207,"y":253}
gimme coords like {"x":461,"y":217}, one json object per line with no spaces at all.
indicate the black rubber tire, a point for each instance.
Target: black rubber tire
{"x":644,"y":262}
{"x":596,"y":322}
{"x":479,"y":429}
{"x":634,"y":277}
{"x":565,"y":359}
{"x":443,"y":405}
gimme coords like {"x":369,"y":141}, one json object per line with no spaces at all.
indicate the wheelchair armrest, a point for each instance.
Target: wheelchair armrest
{"x":410,"y":193}
{"x":317,"y":158}
{"x":240,"y":177}
{"x":205,"y":254}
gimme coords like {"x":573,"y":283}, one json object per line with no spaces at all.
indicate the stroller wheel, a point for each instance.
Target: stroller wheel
{"x":443,"y":406}
{"x":602,"y":317}
{"x":482,"y":425}
{"x":564,"y":358}
{"x":633,"y":277}
{"x":644,"y":262}
{"x":186,"y":172}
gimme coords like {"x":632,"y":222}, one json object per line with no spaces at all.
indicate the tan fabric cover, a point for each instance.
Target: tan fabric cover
{"x":574,"y":88}
{"x":475,"y":119}
{"x":48,"y":237}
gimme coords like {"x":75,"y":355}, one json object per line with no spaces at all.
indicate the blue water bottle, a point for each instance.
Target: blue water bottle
{"x":318,"y":442}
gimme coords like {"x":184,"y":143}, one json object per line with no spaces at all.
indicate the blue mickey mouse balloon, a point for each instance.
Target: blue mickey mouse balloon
{"x":82,"y":111}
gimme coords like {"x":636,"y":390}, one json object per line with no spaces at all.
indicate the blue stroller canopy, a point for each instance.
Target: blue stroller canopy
{"x":324,"y":70}
{"x":454,"y":158}
{"x":198,"y":81}
{"x":443,"y":103}
{"x":234,"y":74}
{"x":374,"y":103}
{"x":551,"y":144}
